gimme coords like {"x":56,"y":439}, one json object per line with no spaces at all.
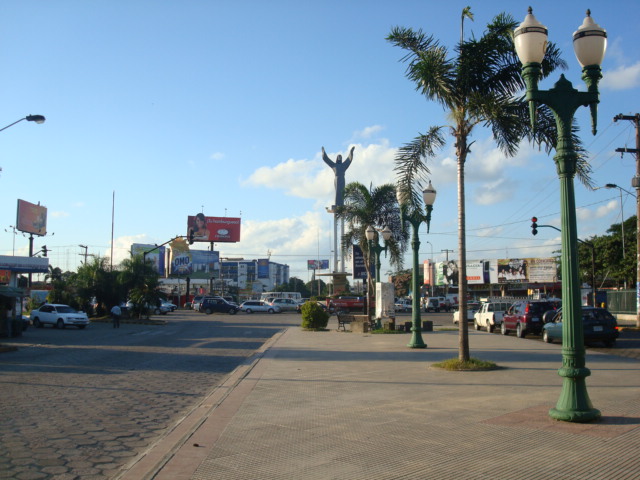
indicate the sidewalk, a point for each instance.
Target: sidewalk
{"x":334,"y":405}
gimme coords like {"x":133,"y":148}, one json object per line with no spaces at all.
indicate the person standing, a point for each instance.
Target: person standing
{"x":116,"y":313}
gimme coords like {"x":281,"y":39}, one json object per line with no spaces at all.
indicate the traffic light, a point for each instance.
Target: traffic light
{"x":44,"y":250}
{"x":534,"y":225}
{"x":192,"y":235}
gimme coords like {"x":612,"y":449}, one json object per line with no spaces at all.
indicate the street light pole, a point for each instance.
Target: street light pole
{"x":530,"y":40}
{"x":415,"y":218}
{"x":39,"y":119}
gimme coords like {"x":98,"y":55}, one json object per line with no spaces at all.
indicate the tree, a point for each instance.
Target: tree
{"x":480,"y":85}
{"x":294,"y":285}
{"x":376,"y":207}
{"x":140,"y":280}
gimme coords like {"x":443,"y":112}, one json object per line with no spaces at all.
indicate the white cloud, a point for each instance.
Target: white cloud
{"x":59,"y":214}
{"x":368,"y":132}
{"x":490,"y":193}
{"x":217,"y":156}
{"x":372,"y":164}
{"x":624,"y":77}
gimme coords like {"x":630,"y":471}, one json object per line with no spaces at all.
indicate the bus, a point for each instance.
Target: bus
{"x":297,"y":296}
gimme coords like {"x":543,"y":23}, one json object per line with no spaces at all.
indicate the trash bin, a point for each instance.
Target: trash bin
{"x":16,"y":327}
{"x":427,"y":326}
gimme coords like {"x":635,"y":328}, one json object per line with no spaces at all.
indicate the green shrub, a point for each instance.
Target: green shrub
{"x":313,"y":316}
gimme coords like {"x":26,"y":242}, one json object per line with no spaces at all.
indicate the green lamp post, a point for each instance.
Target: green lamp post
{"x":377,"y":250}
{"x":415,"y":216}
{"x":589,"y":43}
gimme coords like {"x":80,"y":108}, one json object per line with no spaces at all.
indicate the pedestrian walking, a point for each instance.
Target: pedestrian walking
{"x":116,"y":313}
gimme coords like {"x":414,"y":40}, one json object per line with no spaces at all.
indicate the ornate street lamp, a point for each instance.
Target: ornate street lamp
{"x":589,"y":43}
{"x":415,"y":217}
{"x":39,"y":119}
{"x":377,"y":250}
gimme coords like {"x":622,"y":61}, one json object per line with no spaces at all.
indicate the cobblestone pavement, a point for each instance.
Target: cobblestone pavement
{"x":81,"y":403}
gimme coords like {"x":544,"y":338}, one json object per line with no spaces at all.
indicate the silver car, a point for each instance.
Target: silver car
{"x":251,"y":306}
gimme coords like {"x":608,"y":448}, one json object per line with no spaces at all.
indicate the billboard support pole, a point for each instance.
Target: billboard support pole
{"x":30,"y":254}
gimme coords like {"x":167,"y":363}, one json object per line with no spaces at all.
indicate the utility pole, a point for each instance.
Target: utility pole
{"x":85,"y":254}
{"x":447,"y":253}
{"x":635,"y":183}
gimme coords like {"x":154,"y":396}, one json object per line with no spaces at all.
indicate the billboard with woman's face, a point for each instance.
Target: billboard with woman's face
{"x":213,"y":229}
{"x":31,"y":218}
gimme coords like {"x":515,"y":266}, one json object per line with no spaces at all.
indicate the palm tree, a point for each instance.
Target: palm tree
{"x":377,"y":207}
{"x":480,"y":85}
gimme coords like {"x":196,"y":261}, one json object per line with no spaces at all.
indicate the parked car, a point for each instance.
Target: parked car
{"x":472,"y":308}
{"x":59,"y":316}
{"x":598,"y":325}
{"x":172,"y":307}
{"x":251,"y":306}
{"x":403,"y":305}
{"x":525,"y":317}
{"x":490,"y":315}
{"x":285,"y":304}
{"x":197,"y":300}
{"x":217,"y":305}
{"x":433,"y":305}
{"x":322,"y":305}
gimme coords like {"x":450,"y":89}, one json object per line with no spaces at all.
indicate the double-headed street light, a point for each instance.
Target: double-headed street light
{"x":589,"y":43}
{"x":377,"y":249}
{"x":30,"y":118}
{"x":415,"y":216}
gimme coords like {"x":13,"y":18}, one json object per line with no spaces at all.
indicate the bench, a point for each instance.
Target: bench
{"x":348,"y":318}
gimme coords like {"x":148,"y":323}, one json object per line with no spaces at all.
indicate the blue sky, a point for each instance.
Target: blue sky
{"x":222,"y":107}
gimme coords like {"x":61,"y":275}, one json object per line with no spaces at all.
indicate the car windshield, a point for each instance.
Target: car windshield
{"x":65,"y":309}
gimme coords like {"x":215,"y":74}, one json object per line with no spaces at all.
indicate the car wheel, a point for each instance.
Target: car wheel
{"x":520,"y":332}
{"x":208,"y":311}
{"x":248,"y":310}
{"x":37,"y":323}
{"x":271,"y":310}
{"x":232,"y":311}
{"x":60,"y":323}
{"x":503,"y":329}
{"x":489,"y":327}
{"x":475,"y":324}
{"x":546,"y":338}
{"x":156,"y":311}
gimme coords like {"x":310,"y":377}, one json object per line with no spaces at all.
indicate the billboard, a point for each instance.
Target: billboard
{"x":317,"y":264}
{"x":195,"y":264}
{"x":359,"y":268}
{"x":154,"y":254}
{"x":213,"y":229}
{"x":31,"y":218}
{"x":505,"y":270}
{"x":263,"y":268}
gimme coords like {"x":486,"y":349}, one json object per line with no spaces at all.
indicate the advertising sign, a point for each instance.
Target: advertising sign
{"x":154,"y":254}
{"x":31,"y":218}
{"x":24,"y":264}
{"x":196,"y":264}
{"x":359,"y":269}
{"x":512,"y":270}
{"x":317,"y":264}
{"x":263,"y":268}
{"x":542,"y":270}
{"x":213,"y":229}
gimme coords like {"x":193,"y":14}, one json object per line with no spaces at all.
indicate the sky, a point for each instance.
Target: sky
{"x":158,"y":109}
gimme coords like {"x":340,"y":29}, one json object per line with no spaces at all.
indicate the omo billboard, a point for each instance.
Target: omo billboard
{"x":213,"y":229}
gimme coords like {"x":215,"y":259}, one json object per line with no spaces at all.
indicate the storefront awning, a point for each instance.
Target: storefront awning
{"x":12,"y":292}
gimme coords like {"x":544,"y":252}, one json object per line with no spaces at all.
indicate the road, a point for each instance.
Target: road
{"x":82,"y":403}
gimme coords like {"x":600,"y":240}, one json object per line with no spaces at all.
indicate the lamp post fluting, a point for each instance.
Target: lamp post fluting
{"x":415,"y":216}
{"x":563,"y":100}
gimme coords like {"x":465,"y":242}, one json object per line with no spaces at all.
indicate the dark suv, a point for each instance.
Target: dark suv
{"x":217,"y":305}
{"x":525,"y":317}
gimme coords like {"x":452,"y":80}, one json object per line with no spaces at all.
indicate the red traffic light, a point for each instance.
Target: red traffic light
{"x":534,"y":219}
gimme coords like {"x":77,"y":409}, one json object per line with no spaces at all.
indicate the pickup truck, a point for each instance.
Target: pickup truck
{"x":472,"y":308}
{"x":344,"y":303}
{"x":490,"y":315}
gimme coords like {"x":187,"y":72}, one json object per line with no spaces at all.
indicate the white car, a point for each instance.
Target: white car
{"x":59,"y":316}
{"x":472,"y":308}
{"x":490,"y":315}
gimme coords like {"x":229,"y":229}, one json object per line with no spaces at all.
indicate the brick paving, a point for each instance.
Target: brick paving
{"x":333,"y":405}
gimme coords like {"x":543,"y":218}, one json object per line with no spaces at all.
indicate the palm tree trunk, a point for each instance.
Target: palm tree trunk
{"x":463,"y":327}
